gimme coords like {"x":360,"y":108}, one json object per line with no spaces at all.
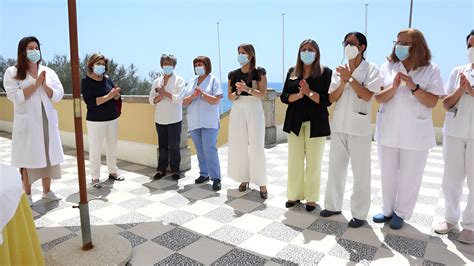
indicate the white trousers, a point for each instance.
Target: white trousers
{"x":246,"y":158}
{"x":357,"y":149}
{"x":401,"y":171}
{"x":98,"y":131}
{"x":458,"y":164}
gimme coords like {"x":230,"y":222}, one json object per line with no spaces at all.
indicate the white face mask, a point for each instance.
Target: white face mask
{"x":351,"y":51}
{"x":470,"y":54}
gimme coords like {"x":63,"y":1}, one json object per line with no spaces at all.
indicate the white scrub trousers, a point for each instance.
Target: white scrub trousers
{"x":401,"y":171}
{"x":458,"y":164}
{"x":357,"y":149}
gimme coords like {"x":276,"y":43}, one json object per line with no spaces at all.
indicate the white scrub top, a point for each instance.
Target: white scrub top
{"x":352,"y":115}
{"x":404,"y":122}
{"x":459,"y":120}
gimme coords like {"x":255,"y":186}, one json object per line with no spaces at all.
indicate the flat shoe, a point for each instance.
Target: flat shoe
{"x":290,"y":204}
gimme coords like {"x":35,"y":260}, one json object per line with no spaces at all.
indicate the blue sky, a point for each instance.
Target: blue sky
{"x":140,"y":31}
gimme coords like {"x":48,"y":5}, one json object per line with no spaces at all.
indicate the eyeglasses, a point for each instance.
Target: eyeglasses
{"x":402,"y":43}
{"x":345,"y":43}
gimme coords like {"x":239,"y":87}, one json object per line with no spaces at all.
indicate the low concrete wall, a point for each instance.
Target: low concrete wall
{"x":137,"y":134}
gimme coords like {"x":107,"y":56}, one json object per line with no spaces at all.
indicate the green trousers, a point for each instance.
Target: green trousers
{"x":303,"y":184}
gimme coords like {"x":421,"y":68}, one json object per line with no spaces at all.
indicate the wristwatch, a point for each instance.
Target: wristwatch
{"x":417,"y":87}
{"x":351,"y":79}
{"x":311,"y":94}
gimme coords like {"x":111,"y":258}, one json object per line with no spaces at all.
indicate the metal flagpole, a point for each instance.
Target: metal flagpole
{"x":366,"y":15}
{"x":283,"y":46}
{"x":76,"y":94}
{"x":219,"y":51}
{"x":411,"y":13}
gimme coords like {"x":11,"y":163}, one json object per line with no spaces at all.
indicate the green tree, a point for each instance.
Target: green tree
{"x":124,"y":77}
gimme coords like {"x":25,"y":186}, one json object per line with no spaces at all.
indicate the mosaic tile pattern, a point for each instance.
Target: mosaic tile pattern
{"x":189,"y":224}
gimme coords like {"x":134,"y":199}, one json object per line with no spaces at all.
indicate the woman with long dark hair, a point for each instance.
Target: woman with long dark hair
{"x":36,"y":145}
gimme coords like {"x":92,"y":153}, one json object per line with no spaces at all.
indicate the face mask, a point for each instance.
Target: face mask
{"x":243,"y":59}
{"x":470,"y":53}
{"x":351,"y":51}
{"x":307,"y":57}
{"x":168,"y":70}
{"x":200,"y":70}
{"x":402,"y":51}
{"x":33,"y":55}
{"x":99,"y":70}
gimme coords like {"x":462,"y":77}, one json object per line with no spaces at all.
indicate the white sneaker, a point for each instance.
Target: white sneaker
{"x":466,"y":236}
{"x":444,"y":228}
{"x":51,"y":196}
{"x":30,"y":200}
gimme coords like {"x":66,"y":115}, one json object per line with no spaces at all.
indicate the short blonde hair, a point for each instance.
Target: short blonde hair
{"x":94,"y":58}
{"x":419,"y":50}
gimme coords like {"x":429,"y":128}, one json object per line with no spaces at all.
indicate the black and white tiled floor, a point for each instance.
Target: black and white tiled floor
{"x":169,"y":222}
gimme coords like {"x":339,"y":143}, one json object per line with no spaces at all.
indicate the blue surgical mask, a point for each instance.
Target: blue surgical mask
{"x":33,"y":55}
{"x":402,"y":51}
{"x":99,"y":70}
{"x":307,"y":57}
{"x":200,"y":70}
{"x":168,"y":70}
{"x":243,"y":59}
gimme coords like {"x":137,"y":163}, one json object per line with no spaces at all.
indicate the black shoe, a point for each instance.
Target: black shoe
{"x":159,"y":175}
{"x":175,"y":176}
{"x":310,"y":208}
{"x":290,"y":204}
{"x":328,"y":213}
{"x":201,"y":179}
{"x":356,"y":223}
{"x":216,"y":184}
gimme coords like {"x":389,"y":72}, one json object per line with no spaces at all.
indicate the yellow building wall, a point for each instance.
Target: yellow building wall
{"x":137,"y":120}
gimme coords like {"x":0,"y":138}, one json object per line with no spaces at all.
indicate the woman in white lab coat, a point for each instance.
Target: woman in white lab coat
{"x":405,"y":133}
{"x":458,"y":147}
{"x":352,"y":88}
{"x":36,"y":145}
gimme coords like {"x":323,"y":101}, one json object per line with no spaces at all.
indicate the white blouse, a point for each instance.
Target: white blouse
{"x":168,"y":111}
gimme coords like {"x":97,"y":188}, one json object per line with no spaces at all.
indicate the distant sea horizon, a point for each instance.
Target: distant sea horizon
{"x":226,"y":104}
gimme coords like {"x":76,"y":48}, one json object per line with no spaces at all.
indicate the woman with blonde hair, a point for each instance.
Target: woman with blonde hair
{"x":101,"y":97}
{"x":306,"y":93}
{"x":405,"y":133}
{"x":247,"y":86}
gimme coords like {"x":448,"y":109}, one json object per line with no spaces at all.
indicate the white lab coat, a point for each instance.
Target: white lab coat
{"x":352,"y":115}
{"x":351,"y":137}
{"x":404,"y":122}
{"x":168,"y":111}
{"x":459,"y":120}
{"x":28,"y":149}
{"x":458,"y":151}
{"x":404,"y":134}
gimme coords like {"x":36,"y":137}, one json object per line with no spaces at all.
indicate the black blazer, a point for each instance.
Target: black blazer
{"x":318,"y":113}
